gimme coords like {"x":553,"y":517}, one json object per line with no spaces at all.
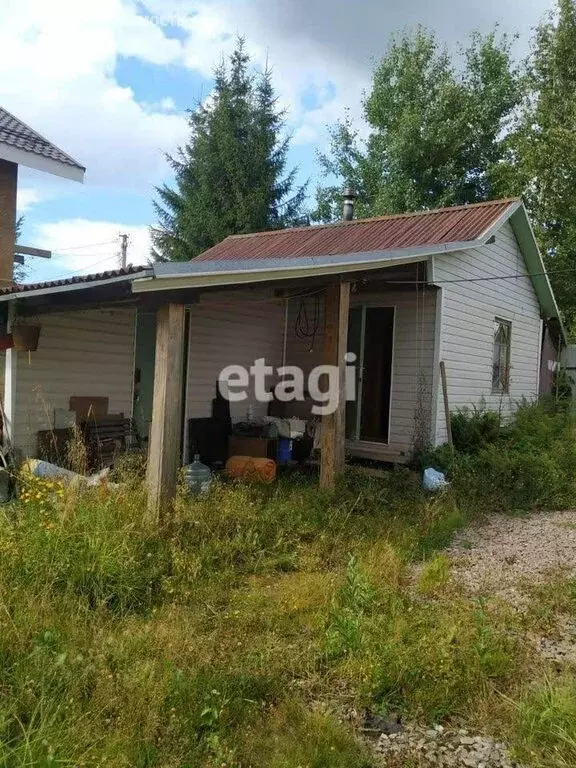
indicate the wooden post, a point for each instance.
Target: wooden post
{"x":337,"y":305}
{"x":446,"y":403}
{"x":166,"y":428}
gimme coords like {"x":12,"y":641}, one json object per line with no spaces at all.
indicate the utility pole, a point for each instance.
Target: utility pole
{"x":123,"y":251}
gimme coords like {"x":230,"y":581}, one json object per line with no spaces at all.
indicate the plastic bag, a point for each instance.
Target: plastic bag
{"x":432,"y":480}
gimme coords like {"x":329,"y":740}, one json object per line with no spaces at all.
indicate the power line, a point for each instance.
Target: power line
{"x":72,"y":272}
{"x":386,"y":282}
{"x":56,"y":256}
{"x":87,"y":245}
{"x":480,"y":279}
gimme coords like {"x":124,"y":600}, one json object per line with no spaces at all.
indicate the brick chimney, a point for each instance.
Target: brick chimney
{"x":8,"y":185}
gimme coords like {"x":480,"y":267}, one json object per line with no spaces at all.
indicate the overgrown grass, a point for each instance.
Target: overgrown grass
{"x":241,"y":633}
{"x":529,"y":463}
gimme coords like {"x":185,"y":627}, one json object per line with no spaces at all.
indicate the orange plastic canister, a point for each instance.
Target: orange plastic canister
{"x":251,"y":469}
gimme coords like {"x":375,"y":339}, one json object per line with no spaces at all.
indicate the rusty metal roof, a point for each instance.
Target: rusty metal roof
{"x":435,"y":227}
{"x":97,"y":277}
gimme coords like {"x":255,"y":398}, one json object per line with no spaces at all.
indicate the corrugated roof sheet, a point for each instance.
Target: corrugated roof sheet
{"x":111,"y":273}
{"x":15,"y":133}
{"x":444,"y":225}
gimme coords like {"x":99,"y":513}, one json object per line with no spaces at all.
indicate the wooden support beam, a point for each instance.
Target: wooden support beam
{"x":166,"y":428}
{"x":26,"y":250}
{"x":8,"y":186}
{"x":337,"y":305}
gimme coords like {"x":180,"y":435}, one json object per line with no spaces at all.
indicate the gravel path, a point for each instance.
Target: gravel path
{"x":442,"y":748}
{"x":497,"y":557}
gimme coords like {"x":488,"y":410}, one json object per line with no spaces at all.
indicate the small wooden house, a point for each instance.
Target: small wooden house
{"x":465,"y":286}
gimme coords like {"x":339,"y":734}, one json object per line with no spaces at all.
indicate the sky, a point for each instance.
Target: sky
{"x":109,"y":81}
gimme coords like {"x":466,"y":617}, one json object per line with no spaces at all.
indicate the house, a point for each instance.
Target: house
{"x":21,"y":145}
{"x":464,"y":286}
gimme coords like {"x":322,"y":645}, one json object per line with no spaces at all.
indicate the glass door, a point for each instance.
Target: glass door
{"x":371,"y":339}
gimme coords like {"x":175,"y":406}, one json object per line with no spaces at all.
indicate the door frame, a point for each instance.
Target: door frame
{"x":364,"y":305}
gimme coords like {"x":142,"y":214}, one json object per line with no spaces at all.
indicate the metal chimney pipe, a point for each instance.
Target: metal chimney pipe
{"x":348,"y":203}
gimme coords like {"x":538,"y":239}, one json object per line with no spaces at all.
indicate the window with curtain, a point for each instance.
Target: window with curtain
{"x":501,"y":359}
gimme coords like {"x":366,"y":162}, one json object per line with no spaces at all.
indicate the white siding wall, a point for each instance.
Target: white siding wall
{"x":305,"y":352}
{"x":412,"y":367}
{"x":468,"y":312}
{"x":89,"y":352}
{"x":231,"y":329}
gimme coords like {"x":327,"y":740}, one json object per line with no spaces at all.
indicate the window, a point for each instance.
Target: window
{"x":501,"y":359}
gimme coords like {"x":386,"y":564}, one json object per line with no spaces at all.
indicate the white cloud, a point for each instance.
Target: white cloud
{"x":27,"y":197}
{"x":81,"y":247}
{"x":323,"y":42}
{"x":57,"y":73}
{"x":58,"y":61}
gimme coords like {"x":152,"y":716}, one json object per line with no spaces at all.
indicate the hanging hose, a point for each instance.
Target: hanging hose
{"x":306,"y":325}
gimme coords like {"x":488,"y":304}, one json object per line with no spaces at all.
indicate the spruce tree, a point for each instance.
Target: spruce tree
{"x":231,"y":175}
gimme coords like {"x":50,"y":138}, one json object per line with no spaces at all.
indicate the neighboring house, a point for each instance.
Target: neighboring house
{"x":20,"y":145}
{"x":463,"y":285}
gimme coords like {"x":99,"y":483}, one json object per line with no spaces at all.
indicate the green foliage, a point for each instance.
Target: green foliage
{"x":230,"y":176}
{"x":104,"y":552}
{"x":353,"y":600}
{"x":430,"y":659}
{"x":435,"y":128}
{"x":473,"y":428}
{"x":531,"y":464}
{"x":20,"y":270}
{"x":238,"y":633}
{"x":543,"y":148}
{"x":547,"y":722}
{"x":445,"y":131}
{"x":434,"y":575}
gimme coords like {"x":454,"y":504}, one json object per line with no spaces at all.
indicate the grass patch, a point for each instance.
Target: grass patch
{"x":243,"y":632}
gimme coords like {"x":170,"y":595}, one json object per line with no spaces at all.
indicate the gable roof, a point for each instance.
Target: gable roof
{"x":22,"y":145}
{"x":458,"y":224}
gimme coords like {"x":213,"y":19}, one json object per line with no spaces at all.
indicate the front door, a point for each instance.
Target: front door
{"x":371,"y":338}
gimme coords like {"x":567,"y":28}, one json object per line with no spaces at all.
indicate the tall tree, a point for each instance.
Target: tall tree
{"x":20,"y":271}
{"x":231,"y":176}
{"x":544,"y":149}
{"x":435,"y":128}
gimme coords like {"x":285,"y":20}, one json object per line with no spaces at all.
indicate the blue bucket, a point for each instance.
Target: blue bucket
{"x":284,"y":450}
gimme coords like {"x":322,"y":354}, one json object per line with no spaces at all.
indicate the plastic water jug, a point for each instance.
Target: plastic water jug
{"x":197,"y":477}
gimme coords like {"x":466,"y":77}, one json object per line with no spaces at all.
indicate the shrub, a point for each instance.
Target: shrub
{"x":473,"y":428}
{"x":529,"y":463}
{"x":352,"y":601}
{"x":532,"y":465}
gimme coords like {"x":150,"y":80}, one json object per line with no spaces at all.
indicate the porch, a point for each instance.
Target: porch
{"x":158,"y":362}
